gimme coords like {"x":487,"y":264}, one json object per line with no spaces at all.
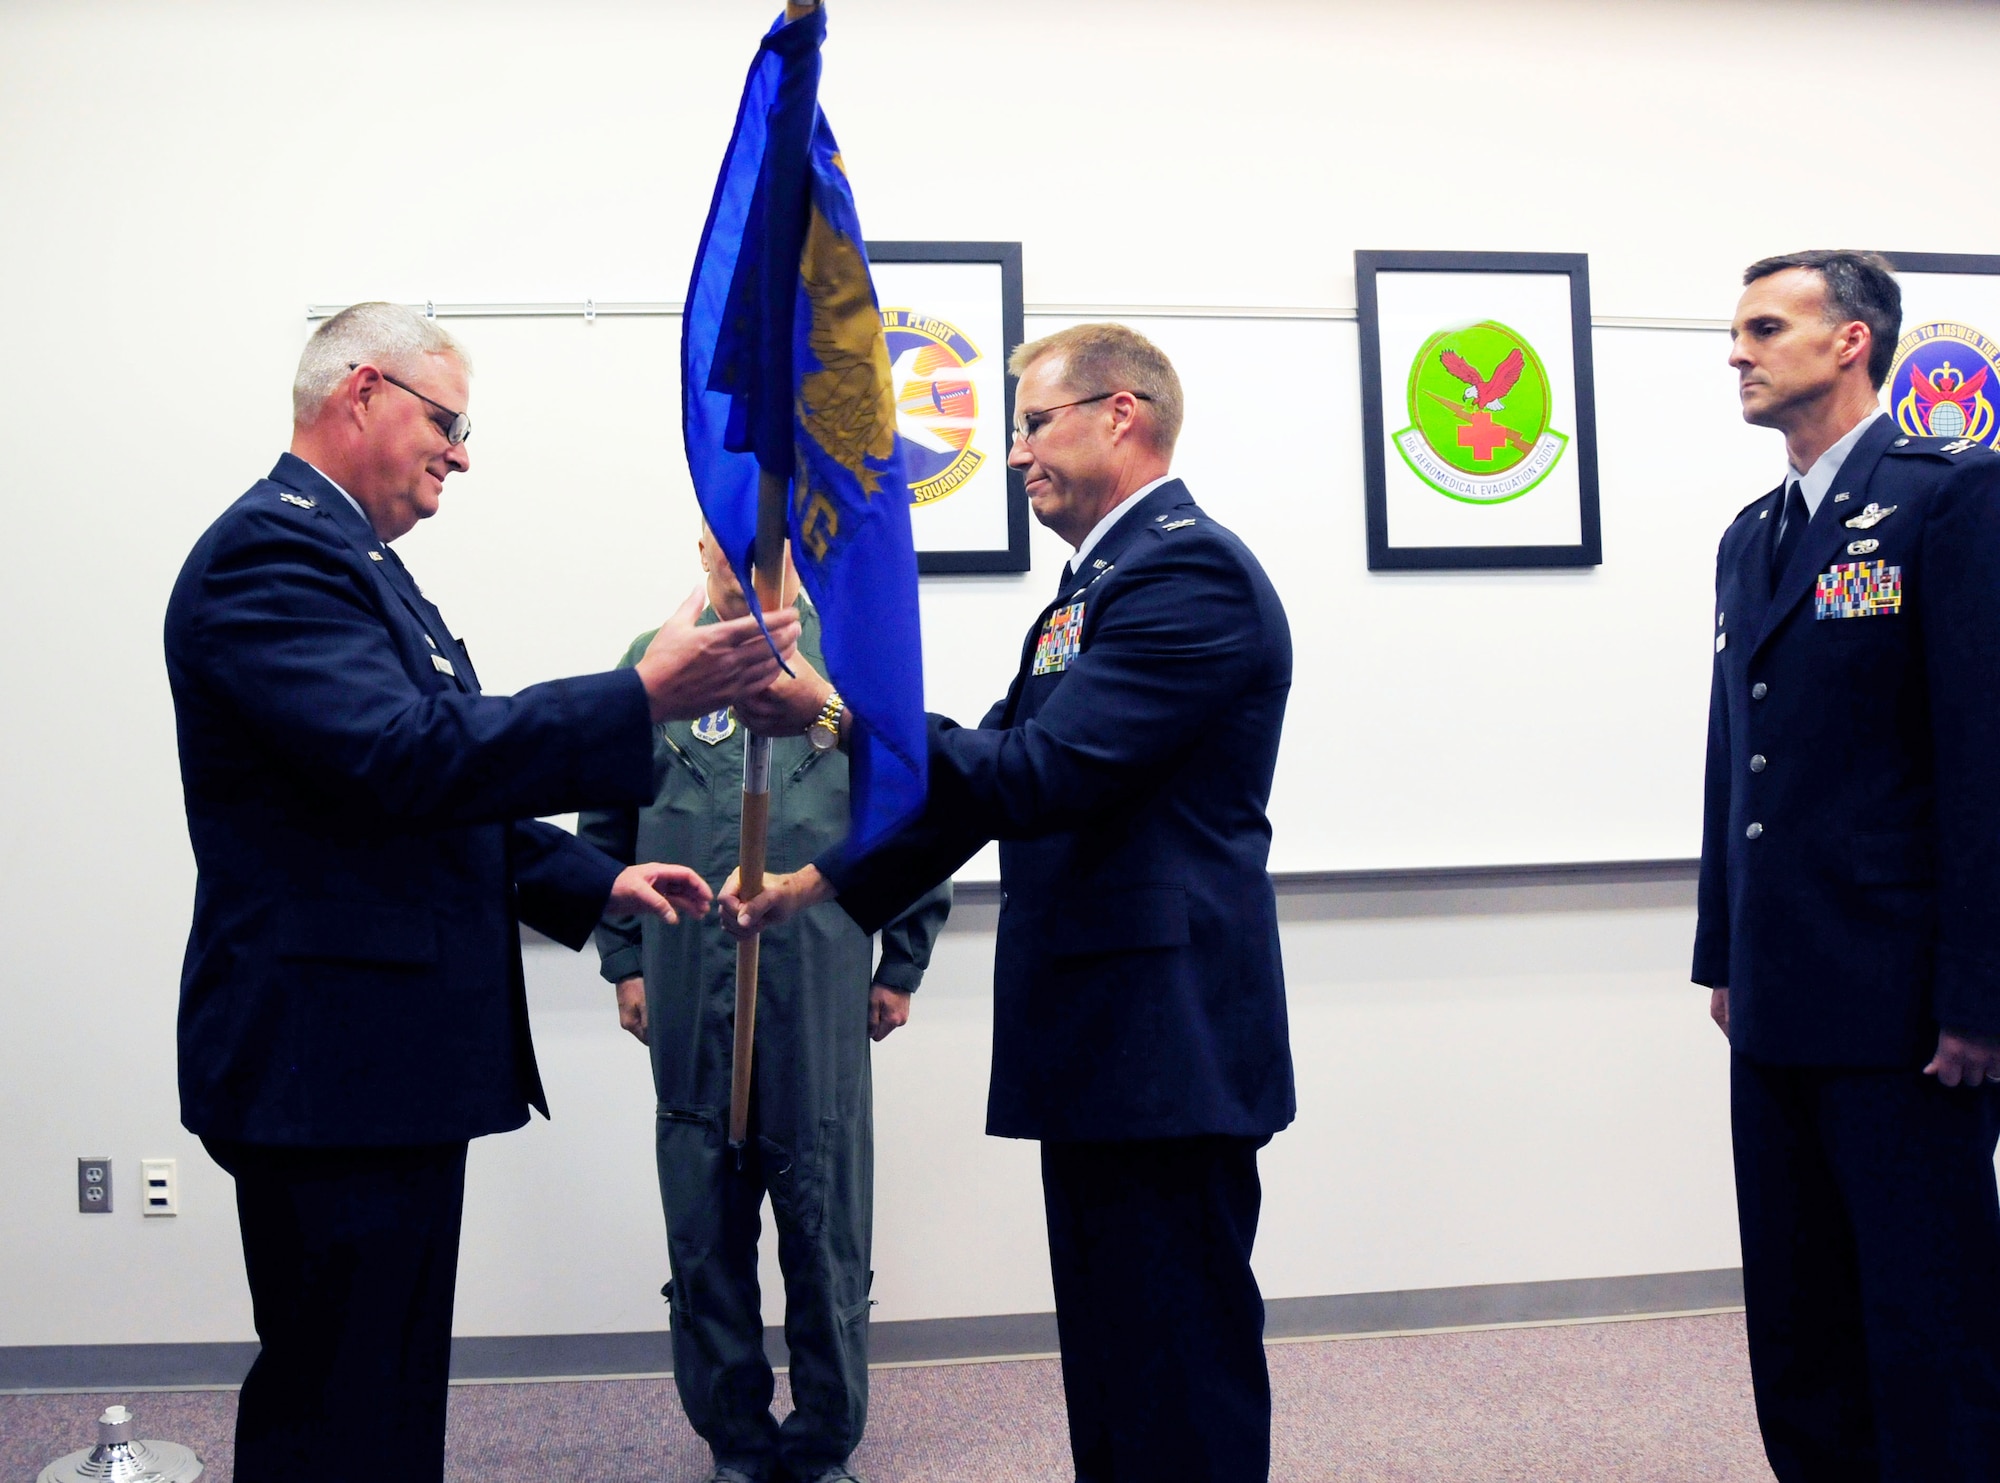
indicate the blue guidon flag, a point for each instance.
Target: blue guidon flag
{"x":784,"y":367}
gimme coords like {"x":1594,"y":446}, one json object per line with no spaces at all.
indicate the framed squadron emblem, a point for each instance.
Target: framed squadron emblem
{"x":1478,"y":412}
{"x":1945,"y":379}
{"x":952,"y":313}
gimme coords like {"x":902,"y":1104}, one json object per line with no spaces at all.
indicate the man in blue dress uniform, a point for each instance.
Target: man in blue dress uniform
{"x":1139,"y":1008}
{"x":1849,"y":924}
{"x":363,"y":820}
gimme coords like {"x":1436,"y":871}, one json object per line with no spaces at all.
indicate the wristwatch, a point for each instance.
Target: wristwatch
{"x":824,"y":733}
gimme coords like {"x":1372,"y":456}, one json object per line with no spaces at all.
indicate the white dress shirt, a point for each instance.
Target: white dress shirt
{"x":1816,"y":481}
{"x":1111,"y":518}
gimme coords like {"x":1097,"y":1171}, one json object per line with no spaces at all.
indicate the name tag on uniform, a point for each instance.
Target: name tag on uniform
{"x":442,"y":665}
{"x":1859,"y":589}
{"x":1062,"y":638}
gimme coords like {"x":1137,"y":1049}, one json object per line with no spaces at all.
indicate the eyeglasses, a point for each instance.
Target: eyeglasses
{"x":455,"y":431}
{"x":1030,"y":423}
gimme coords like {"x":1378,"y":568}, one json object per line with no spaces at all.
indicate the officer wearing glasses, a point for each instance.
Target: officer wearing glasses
{"x":1139,"y":1010}
{"x":363,"y":822}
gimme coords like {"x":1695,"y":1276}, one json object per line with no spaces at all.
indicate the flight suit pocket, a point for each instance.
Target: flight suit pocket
{"x":1132,"y":920}
{"x":1898,"y":858}
{"x":797,"y":1187}
{"x":335,"y":931}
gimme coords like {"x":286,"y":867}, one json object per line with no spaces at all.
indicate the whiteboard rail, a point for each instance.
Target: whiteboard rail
{"x":590,"y":309}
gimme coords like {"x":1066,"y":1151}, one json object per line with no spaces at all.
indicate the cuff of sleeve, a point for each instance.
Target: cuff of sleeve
{"x":899,"y":974}
{"x":620,"y":964}
{"x":1966,"y":993}
{"x":612,"y":722}
{"x":1711,"y":960}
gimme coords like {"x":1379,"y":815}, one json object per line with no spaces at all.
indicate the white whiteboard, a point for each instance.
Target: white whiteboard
{"x":1437,"y":719}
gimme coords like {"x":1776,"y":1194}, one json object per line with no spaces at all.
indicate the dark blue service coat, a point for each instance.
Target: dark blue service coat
{"x":1138,"y":991}
{"x":1850,"y":862}
{"x":362,"y":822}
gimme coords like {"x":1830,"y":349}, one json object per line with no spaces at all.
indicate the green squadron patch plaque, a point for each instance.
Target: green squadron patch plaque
{"x":1479,"y":415}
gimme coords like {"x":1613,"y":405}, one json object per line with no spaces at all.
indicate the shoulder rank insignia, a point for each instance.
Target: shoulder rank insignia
{"x":716,"y":727}
{"x":1061,"y":640}
{"x":297,"y":499}
{"x":1871,"y":516}
{"x":1177,"y":525}
{"x":442,"y":665}
{"x":374,"y":555}
{"x":1959,"y":446}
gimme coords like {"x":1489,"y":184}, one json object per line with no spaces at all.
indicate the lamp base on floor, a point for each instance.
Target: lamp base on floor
{"x":118,"y":1458}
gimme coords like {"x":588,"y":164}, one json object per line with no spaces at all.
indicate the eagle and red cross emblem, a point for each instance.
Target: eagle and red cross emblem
{"x":1480,"y":435}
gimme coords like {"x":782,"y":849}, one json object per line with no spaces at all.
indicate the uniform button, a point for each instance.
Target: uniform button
{"x":1753,"y":831}
{"x":1757,"y":763}
{"x":1759,"y":690}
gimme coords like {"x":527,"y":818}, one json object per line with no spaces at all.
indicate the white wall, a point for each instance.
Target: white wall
{"x":176,"y":184}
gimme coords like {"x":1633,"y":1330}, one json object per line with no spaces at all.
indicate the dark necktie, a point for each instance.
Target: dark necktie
{"x":1791,"y":529}
{"x":1068,"y":576}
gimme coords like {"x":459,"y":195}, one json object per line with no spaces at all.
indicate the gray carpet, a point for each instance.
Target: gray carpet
{"x":1653,"y":1401}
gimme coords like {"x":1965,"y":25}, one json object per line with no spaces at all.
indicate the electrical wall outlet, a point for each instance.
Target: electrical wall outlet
{"x":159,"y":1185}
{"x":93,"y":1186}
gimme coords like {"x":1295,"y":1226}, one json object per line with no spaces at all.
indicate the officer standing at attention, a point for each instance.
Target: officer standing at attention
{"x":1849,"y":923}
{"x":812,"y":1147}
{"x":1139,"y":1006}
{"x":365,"y":835}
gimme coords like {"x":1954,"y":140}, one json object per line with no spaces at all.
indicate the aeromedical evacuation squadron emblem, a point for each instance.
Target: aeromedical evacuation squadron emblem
{"x":1942,"y":382}
{"x":1479,"y":415}
{"x":937,"y":409}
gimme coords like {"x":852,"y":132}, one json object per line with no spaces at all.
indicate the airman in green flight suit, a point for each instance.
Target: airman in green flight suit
{"x":811,"y":1146}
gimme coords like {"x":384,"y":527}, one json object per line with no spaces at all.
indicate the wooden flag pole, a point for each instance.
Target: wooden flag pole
{"x":767,"y":576}
{"x":767,"y":568}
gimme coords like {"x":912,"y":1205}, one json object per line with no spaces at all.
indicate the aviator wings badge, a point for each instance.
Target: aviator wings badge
{"x":1871,"y":515}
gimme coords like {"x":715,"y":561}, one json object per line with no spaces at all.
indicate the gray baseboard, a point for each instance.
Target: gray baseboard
{"x":77,"y":1367}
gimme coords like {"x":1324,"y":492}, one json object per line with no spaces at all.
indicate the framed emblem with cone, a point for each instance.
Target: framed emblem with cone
{"x":1478,"y":413}
{"x":951,"y":312}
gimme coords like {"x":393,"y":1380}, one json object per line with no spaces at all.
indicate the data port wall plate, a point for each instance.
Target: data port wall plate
{"x":93,"y":1186}
{"x":159,"y":1187}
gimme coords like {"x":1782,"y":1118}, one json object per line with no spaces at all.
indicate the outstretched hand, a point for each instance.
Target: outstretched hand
{"x":690,"y":669}
{"x":656,"y":890}
{"x":783,"y":897}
